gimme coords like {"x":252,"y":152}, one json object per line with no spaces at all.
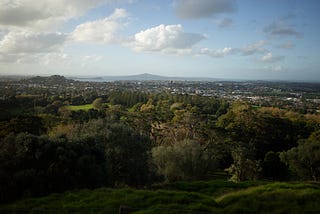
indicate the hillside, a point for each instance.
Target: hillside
{"x":224,"y":197}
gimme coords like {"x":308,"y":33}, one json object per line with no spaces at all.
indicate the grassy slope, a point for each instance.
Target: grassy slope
{"x":183,"y":197}
{"x":273,"y":198}
{"x":79,"y":107}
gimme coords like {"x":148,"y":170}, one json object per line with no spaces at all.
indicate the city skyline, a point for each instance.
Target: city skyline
{"x":229,"y":39}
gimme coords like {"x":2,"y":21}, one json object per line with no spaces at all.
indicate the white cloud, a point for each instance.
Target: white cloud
{"x":92,"y":58}
{"x":22,"y":42}
{"x":250,"y":49}
{"x":270,"y":58}
{"x":100,"y":31}
{"x":54,"y":59}
{"x":27,"y":47}
{"x":193,"y":9}
{"x":254,"y":48}
{"x":217,"y":53}
{"x":44,"y":13}
{"x":165,"y":38}
{"x":61,"y":59}
{"x":267,"y":57}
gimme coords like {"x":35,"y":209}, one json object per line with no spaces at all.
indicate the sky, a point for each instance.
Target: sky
{"x":230,"y":39}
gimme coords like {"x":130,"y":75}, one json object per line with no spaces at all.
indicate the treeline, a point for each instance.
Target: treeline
{"x":136,"y":139}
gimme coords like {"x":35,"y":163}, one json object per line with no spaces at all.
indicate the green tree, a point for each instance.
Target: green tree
{"x":32,"y":166}
{"x":30,"y":124}
{"x":244,"y":166}
{"x":127,"y":153}
{"x":304,"y":159}
{"x":264,"y":131}
{"x":184,"y":160}
{"x":274,"y":168}
{"x":97,"y":103}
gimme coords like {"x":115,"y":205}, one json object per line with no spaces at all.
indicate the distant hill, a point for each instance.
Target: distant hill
{"x":142,"y":77}
{"x":48,"y":80}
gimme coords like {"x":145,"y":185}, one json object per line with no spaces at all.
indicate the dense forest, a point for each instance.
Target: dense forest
{"x":134,"y":138}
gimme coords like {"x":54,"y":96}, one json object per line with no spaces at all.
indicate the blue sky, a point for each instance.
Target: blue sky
{"x":237,"y":39}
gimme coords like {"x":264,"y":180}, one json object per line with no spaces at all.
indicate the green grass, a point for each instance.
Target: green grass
{"x":273,"y":198}
{"x":182,"y":197}
{"x":213,"y":188}
{"x":85,"y":107}
{"x":109,"y":200}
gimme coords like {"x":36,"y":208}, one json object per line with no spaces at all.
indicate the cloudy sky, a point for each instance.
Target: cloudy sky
{"x":238,"y":39}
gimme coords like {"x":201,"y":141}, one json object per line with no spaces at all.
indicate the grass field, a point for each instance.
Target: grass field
{"x":182,"y":197}
{"x":85,"y":107}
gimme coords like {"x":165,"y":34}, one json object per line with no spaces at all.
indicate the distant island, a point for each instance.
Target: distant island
{"x":141,"y":77}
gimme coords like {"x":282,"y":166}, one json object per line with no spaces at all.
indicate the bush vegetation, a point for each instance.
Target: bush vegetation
{"x":127,"y":138}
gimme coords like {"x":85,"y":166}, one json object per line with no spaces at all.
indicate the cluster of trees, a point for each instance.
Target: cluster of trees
{"x":90,"y":155}
{"x":135,"y":139}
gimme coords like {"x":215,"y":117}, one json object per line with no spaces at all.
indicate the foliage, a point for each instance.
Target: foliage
{"x":33,"y":166}
{"x":53,"y":140}
{"x":30,"y":124}
{"x":97,"y":103}
{"x":262,"y":130}
{"x":127,"y":98}
{"x":128,"y":154}
{"x":274,"y":168}
{"x":304,"y":159}
{"x":186,"y":160}
{"x":244,"y":166}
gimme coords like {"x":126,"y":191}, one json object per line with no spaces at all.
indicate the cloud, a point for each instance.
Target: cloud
{"x":254,"y":48}
{"x":270,"y":58}
{"x":54,"y":59}
{"x":100,"y":31}
{"x":19,"y":42}
{"x":63,"y":59}
{"x":223,"y":23}
{"x":288,"y":45}
{"x":217,"y":53}
{"x":9,"y":58}
{"x":165,"y":38}
{"x":251,"y":49}
{"x":44,"y":13}
{"x":26,"y":46}
{"x":19,"y":13}
{"x":92,"y":58}
{"x":279,"y":28}
{"x":194,"y":9}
